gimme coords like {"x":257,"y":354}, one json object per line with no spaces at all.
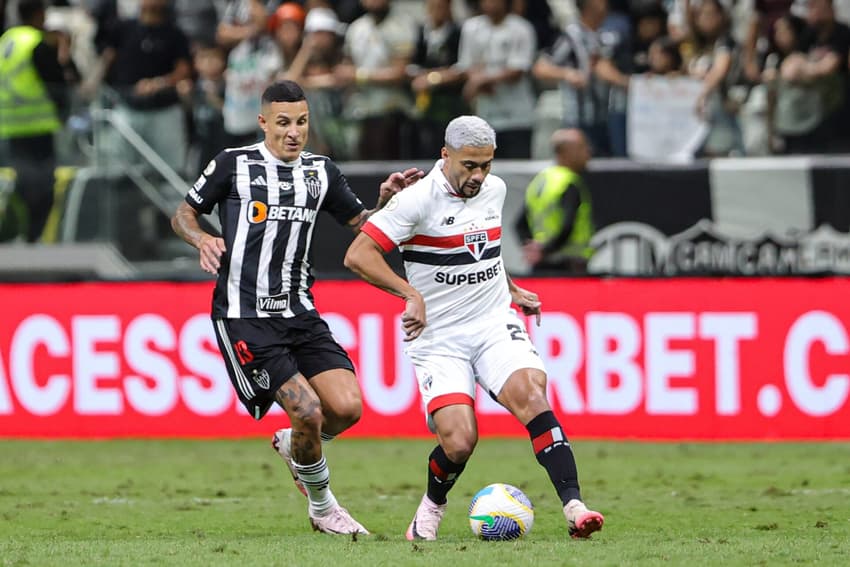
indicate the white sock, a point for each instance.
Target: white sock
{"x":316,"y":480}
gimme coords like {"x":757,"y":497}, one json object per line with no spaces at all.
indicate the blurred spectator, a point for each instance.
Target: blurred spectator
{"x":204,"y":99}
{"x":613,"y":68}
{"x":539,"y":14}
{"x":792,"y":109}
{"x":556,"y":222}
{"x":665,"y":59}
{"x":711,"y":55}
{"x":198,"y":19}
{"x":761,"y":38}
{"x":497,"y":52}
{"x":287,"y":26}
{"x":571,"y":62}
{"x":238,"y":22}
{"x":821,"y":70}
{"x":378,"y":47}
{"x":650,"y":23}
{"x":33,"y":102}
{"x":314,"y":69}
{"x":106,"y":19}
{"x":435,"y":80}
{"x":251,"y":66}
{"x":143,"y":61}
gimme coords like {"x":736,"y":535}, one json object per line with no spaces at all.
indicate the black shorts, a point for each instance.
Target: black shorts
{"x":262,"y":354}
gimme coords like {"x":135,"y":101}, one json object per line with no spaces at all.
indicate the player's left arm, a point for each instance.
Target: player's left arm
{"x":391,"y":185}
{"x":526,"y":300}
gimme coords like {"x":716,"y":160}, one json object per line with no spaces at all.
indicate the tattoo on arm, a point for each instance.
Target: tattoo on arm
{"x":357,"y":223}
{"x":185,"y":224}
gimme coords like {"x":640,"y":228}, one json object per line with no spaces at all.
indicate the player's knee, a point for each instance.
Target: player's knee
{"x":536,"y":401}
{"x":459,"y":448}
{"x":341,"y":418}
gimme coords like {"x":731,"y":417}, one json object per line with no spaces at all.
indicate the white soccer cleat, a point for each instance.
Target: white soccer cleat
{"x":581,"y":521}
{"x":282,"y":443}
{"x":427,"y":520}
{"x":337,"y":521}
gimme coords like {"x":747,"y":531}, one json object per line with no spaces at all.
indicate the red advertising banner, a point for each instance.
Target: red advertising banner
{"x":649,"y":359}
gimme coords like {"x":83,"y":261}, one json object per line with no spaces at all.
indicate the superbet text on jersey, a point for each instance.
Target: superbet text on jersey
{"x":451,"y":247}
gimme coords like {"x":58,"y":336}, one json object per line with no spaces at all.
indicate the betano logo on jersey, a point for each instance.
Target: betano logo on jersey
{"x":475,"y":242}
{"x":260,"y":212}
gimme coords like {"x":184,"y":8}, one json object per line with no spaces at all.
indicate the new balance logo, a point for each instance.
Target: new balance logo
{"x":447,"y":220}
{"x":259,"y":181}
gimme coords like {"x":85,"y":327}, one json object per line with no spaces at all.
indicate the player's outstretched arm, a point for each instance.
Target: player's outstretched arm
{"x":185,"y":224}
{"x":365,"y":257}
{"x":396,"y":182}
{"x":526,"y":300}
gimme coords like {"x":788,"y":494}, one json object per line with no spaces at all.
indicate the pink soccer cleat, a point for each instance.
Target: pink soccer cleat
{"x":282,"y":444}
{"x":427,"y":520}
{"x":337,"y":521}
{"x":581,"y":521}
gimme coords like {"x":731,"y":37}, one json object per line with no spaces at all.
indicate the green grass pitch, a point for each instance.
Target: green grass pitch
{"x":144,"y":502}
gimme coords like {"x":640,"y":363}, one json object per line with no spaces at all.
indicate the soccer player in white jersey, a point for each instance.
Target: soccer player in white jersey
{"x":448,"y":226}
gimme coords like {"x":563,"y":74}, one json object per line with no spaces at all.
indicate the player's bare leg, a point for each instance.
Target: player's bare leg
{"x":524,"y":394}
{"x":304,"y":408}
{"x":341,"y":399}
{"x":457,"y":434}
{"x":339,"y":394}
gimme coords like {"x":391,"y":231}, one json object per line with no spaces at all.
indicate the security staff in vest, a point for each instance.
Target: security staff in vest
{"x":33,"y":96}
{"x":556,"y":221}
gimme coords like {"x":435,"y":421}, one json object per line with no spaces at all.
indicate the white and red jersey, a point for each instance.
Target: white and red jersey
{"x":451,"y":247}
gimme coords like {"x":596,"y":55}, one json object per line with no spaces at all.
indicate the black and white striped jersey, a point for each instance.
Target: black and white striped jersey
{"x":268,"y":211}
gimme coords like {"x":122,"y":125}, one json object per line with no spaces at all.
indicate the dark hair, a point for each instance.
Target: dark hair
{"x":27,"y":9}
{"x":670,"y":47}
{"x":283,"y":91}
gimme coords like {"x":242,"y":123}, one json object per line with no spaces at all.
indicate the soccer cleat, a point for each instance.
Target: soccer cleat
{"x":282,"y":444}
{"x":581,"y":521}
{"x":337,"y":521}
{"x":426,"y":522}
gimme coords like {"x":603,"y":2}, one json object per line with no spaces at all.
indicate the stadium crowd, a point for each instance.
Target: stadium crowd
{"x":384,"y":77}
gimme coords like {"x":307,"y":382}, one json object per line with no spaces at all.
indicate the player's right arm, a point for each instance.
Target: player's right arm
{"x":365,"y":257}
{"x":185,"y":224}
{"x":210,"y":188}
{"x":396,"y":222}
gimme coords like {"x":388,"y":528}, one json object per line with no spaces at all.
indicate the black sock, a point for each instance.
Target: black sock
{"x":553,"y":451}
{"x":442,"y":474}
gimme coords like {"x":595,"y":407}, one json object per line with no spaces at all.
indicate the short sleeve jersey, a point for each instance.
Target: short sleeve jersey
{"x":268,"y":211}
{"x":451,"y":247}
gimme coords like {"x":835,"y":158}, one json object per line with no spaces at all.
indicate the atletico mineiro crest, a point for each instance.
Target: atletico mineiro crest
{"x":311,"y":180}
{"x":475,"y":242}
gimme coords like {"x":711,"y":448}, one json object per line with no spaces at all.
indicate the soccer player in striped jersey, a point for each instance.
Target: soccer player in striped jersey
{"x":275,"y":345}
{"x":449,"y":226}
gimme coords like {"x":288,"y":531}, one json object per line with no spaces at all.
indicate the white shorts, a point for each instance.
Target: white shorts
{"x":486,"y":352}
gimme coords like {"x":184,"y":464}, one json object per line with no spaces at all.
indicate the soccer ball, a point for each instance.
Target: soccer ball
{"x":499,"y":512}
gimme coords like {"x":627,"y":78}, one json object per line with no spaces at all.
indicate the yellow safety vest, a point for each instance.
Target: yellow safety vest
{"x":546,"y":215}
{"x":25,"y":107}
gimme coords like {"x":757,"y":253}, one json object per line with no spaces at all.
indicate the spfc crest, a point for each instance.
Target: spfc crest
{"x":475,"y":242}
{"x":313,"y":183}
